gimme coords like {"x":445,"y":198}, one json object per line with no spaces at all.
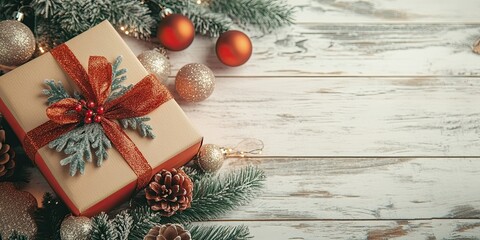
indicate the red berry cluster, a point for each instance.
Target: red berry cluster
{"x":91,"y":112}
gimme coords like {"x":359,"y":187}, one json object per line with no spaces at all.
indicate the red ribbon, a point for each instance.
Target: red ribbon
{"x":95,"y":86}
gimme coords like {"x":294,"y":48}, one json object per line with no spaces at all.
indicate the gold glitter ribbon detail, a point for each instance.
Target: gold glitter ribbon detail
{"x":143,"y":98}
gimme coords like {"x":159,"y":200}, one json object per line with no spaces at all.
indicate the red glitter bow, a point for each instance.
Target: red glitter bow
{"x":65,"y":115}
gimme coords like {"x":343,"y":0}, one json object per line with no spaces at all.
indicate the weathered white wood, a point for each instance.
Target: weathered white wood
{"x":365,"y":188}
{"x":417,"y":116}
{"x":371,"y":230}
{"x":335,"y":11}
{"x":346,"y":50}
{"x":356,"y":188}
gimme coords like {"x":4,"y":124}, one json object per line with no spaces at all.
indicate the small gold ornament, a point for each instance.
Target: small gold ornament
{"x":17,"y":43}
{"x":156,"y":62}
{"x":16,"y":211}
{"x":75,"y":228}
{"x":210,"y":158}
{"x":195,"y":82}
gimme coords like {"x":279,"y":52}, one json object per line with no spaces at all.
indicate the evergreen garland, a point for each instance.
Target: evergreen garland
{"x":220,"y":232}
{"x":57,"y":21}
{"x":220,"y":194}
{"x":215,"y":195}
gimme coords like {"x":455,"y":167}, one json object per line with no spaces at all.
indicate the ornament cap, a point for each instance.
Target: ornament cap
{"x":165,"y":12}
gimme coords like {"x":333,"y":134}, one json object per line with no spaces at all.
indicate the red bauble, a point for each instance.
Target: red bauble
{"x":175,"y":32}
{"x":234,"y":48}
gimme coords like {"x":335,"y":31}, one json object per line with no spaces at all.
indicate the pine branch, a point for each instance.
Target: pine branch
{"x":50,"y":217}
{"x":265,"y":15}
{"x":215,"y":195}
{"x":205,"y":22}
{"x":55,"y":91}
{"x":102,"y":229}
{"x":45,"y":8}
{"x":8,"y":7}
{"x":219,"y":232}
{"x":143,"y":219}
{"x":123,"y":223}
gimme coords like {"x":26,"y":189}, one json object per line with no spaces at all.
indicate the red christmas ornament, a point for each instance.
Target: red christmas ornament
{"x":175,"y":32}
{"x":234,"y":48}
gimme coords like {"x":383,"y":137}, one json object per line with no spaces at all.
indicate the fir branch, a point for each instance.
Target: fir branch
{"x":265,"y":15}
{"x":215,"y":195}
{"x":205,"y":22}
{"x":49,"y":218}
{"x":138,"y":123}
{"x":102,"y":229}
{"x":78,"y":144}
{"x":45,"y":8}
{"x":208,"y":23}
{"x":143,"y":220}
{"x":55,"y":91}
{"x":8,"y":7}
{"x":122,"y":223}
{"x":219,"y":232}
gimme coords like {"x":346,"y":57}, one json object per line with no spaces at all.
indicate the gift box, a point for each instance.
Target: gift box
{"x":103,"y":187}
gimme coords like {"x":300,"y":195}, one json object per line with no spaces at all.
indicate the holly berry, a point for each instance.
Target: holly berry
{"x":97,"y":118}
{"x":78,"y":108}
{"x":88,"y":113}
{"x":100,"y":110}
{"x":88,"y":120}
{"x":91,"y":105}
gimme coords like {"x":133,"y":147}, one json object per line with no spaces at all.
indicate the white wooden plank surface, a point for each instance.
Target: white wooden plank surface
{"x":366,"y":79}
{"x":371,"y":230}
{"x":350,"y":49}
{"x":365,"y":188}
{"x":337,"y":11}
{"x":356,"y":188}
{"x":415,"y":116}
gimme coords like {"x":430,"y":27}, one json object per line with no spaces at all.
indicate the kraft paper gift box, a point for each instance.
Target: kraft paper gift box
{"x":99,"y":188}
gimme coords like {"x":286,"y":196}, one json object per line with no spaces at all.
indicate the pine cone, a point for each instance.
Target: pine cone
{"x":168,"y":232}
{"x":169,"y":192}
{"x":7,"y":158}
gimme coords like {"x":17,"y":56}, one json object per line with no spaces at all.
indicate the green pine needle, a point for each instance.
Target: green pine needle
{"x":49,"y":218}
{"x":102,"y":229}
{"x":219,"y":232}
{"x":215,"y":195}
{"x":263,"y":15}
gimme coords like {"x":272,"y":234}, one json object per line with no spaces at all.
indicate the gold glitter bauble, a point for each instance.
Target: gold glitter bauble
{"x":157,"y":63}
{"x":17,"y":43}
{"x":16,"y":211}
{"x":210,"y":158}
{"x":195,"y":82}
{"x":75,"y":228}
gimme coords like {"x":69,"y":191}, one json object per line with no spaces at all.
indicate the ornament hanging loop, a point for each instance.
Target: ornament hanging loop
{"x":245,"y":148}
